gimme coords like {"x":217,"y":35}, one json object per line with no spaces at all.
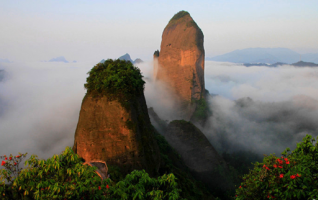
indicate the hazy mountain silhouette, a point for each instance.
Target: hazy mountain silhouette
{"x":127,"y":58}
{"x":297,"y":64}
{"x":59,"y":59}
{"x":305,"y":64}
{"x":264,"y":55}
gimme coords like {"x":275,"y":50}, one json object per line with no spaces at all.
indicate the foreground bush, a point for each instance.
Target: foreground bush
{"x":60,"y":177}
{"x":65,"y":177}
{"x":138,"y":185}
{"x":293,"y":176}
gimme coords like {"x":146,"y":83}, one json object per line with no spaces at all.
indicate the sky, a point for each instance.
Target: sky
{"x":88,"y":31}
{"x":259,"y":108}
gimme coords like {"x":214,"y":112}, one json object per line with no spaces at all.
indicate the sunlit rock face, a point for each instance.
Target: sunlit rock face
{"x":103,"y":133}
{"x":181,"y":61}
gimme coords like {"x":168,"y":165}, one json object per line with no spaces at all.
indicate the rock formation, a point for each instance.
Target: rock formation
{"x":115,"y":127}
{"x":181,"y":61}
{"x":102,"y":169}
{"x":198,"y":154}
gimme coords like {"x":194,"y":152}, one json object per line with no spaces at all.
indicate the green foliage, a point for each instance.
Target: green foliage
{"x":65,"y":177}
{"x":12,"y":166}
{"x":179,"y":15}
{"x":156,"y":53}
{"x":239,"y":164}
{"x":117,"y":79}
{"x":294,"y":176}
{"x":59,"y":177}
{"x":241,"y":161}
{"x":138,"y":185}
{"x":178,"y":18}
{"x":116,"y":173}
{"x":202,"y":110}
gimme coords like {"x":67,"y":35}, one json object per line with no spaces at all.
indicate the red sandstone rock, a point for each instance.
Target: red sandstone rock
{"x":102,"y":134}
{"x":181,"y":60}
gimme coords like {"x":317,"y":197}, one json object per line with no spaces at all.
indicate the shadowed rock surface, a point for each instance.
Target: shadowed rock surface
{"x":102,"y":168}
{"x":181,"y":61}
{"x":159,"y":124}
{"x":198,"y":154}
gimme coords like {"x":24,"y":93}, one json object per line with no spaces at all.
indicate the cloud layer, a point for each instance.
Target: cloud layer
{"x":41,"y":104}
{"x":257,"y":108}
{"x":261,"y":109}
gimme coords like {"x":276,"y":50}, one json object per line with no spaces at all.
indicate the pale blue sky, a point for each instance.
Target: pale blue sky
{"x":92,"y":30}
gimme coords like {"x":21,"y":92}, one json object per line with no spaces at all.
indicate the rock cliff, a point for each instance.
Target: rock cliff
{"x":181,"y":61}
{"x":198,"y":154}
{"x":114,"y":124}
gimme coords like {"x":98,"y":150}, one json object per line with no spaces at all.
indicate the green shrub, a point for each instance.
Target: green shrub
{"x":241,"y":161}
{"x":60,"y":177}
{"x":293,"y":176}
{"x":65,"y":177}
{"x":156,"y":53}
{"x":202,"y":111}
{"x":117,"y":79}
{"x":179,"y":15}
{"x":138,"y":185}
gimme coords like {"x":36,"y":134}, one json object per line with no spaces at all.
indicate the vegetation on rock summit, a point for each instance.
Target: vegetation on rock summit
{"x":115,"y":78}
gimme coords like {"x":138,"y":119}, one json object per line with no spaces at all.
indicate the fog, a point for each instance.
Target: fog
{"x":261,"y":109}
{"x":41,"y":103}
{"x":255,"y":108}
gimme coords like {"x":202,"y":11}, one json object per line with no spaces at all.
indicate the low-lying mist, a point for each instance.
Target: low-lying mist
{"x":260,"y":109}
{"x":41,"y":103}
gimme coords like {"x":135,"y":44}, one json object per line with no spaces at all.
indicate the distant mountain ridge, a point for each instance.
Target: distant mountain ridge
{"x":60,"y":59}
{"x":265,"y":55}
{"x":127,"y":58}
{"x":297,"y":64}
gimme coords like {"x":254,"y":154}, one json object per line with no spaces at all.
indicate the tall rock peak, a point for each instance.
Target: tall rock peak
{"x":181,"y":61}
{"x":114,"y":124}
